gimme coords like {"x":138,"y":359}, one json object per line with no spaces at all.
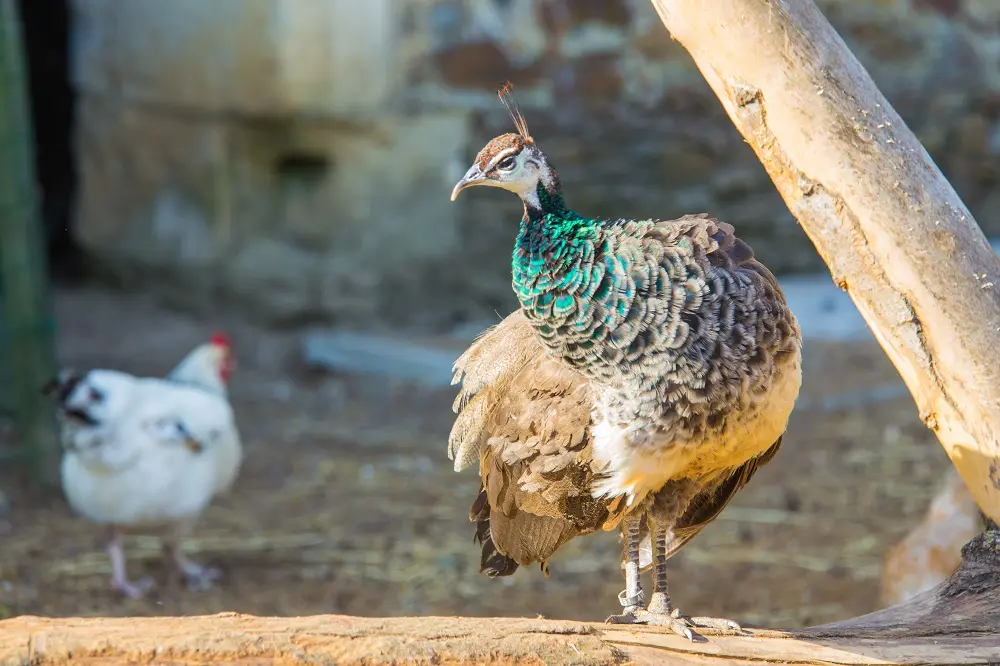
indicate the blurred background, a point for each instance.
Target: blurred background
{"x":281,"y":169}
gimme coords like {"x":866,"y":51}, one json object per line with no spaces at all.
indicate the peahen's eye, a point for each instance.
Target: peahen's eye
{"x":507,"y":163}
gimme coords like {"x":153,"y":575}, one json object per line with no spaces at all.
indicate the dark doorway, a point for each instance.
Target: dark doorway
{"x":46,"y":35}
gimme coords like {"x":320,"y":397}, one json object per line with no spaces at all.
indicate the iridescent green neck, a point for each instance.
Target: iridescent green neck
{"x":550,"y":200}
{"x":547,"y":255}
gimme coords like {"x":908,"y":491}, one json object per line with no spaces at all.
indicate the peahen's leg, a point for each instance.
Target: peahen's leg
{"x":666,"y":508}
{"x":660,"y":611}
{"x":631,"y":597}
{"x":119,"y":573}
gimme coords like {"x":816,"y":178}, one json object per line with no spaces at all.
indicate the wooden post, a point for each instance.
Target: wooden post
{"x":892,"y":230}
{"x":27,"y":328}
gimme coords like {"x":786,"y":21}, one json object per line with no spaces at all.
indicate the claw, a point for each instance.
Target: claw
{"x":685,"y":632}
{"x":716,"y":623}
{"x":679,"y":624}
{"x":624,"y":618}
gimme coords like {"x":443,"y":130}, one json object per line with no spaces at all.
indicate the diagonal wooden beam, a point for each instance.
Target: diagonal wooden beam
{"x":888,"y":224}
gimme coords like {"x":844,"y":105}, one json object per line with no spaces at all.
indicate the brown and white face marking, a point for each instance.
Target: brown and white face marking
{"x":510,"y":161}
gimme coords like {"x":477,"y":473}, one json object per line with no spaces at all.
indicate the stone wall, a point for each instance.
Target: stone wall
{"x":296,"y":156}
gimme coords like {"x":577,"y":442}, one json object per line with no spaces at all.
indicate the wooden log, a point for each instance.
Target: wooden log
{"x":957,"y":622}
{"x":892,"y":230}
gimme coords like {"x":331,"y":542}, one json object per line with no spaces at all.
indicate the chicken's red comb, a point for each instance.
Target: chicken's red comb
{"x":220,"y":339}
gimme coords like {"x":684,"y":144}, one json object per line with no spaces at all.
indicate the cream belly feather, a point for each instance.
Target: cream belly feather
{"x":637,"y":470}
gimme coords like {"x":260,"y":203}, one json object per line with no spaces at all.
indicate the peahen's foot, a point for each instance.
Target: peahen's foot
{"x":632,"y":608}
{"x":132,"y":590}
{"x":660,"y":614}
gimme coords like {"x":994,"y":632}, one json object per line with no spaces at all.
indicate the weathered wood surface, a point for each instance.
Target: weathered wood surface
{"x":892,"y":230}
{"x":244,"y":639}
{"x":957,"y":622}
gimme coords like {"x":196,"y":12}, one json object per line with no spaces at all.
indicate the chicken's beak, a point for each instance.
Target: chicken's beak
{"x":474,"y":176}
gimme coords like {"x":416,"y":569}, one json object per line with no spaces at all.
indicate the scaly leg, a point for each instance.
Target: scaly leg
{"x":631,"y":597}
{"x":661,"y":611}
{"x":119,"y":575}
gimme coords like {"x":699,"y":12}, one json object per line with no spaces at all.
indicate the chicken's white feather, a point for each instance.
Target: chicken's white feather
{"x":129,"y":463}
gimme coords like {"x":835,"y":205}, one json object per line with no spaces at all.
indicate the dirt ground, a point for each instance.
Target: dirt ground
{"x":347,"y":502}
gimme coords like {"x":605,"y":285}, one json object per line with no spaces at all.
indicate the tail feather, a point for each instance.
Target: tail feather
{"x":62,"y":385}
{"x":61,"y":388}
{"x":493,"y":563}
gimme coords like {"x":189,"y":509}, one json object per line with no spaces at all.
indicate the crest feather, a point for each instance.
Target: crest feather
{"x":506,"y":95}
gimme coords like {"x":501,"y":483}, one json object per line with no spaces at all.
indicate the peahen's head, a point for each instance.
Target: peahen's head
{"x":512,"y":162}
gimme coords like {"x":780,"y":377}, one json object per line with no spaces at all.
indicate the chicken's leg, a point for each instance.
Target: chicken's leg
{"x":197,"y":576}
{"x":119,"y":574}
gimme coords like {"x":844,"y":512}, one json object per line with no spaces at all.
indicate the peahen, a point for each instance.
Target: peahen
{"x":649,"y":372}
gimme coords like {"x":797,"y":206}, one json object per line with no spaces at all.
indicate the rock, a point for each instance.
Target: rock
{"x":319,"y":140}
{"x":371,"y":354}
{"x":269,"y":57}
{"x":328,"y":215}
{"x":281,"y":275}
{"x":150,"y":186}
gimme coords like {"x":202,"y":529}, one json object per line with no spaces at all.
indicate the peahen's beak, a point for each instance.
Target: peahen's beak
{"x":474,"y":176}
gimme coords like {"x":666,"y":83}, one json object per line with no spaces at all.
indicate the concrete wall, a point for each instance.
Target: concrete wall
{"x":296,"y":156}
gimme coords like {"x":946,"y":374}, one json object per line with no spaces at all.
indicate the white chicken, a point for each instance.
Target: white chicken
{"x":147,"y":455}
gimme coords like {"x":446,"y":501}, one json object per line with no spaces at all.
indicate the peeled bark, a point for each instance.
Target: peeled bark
{"x":893,"y":231}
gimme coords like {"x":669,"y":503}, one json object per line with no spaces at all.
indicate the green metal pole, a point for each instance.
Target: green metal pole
{"x":28,"y":328}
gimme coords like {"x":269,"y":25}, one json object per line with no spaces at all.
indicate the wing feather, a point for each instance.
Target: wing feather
{"x":527,"y":417}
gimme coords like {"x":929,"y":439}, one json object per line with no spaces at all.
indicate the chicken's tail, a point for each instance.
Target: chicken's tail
{"x":62,"y":385}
